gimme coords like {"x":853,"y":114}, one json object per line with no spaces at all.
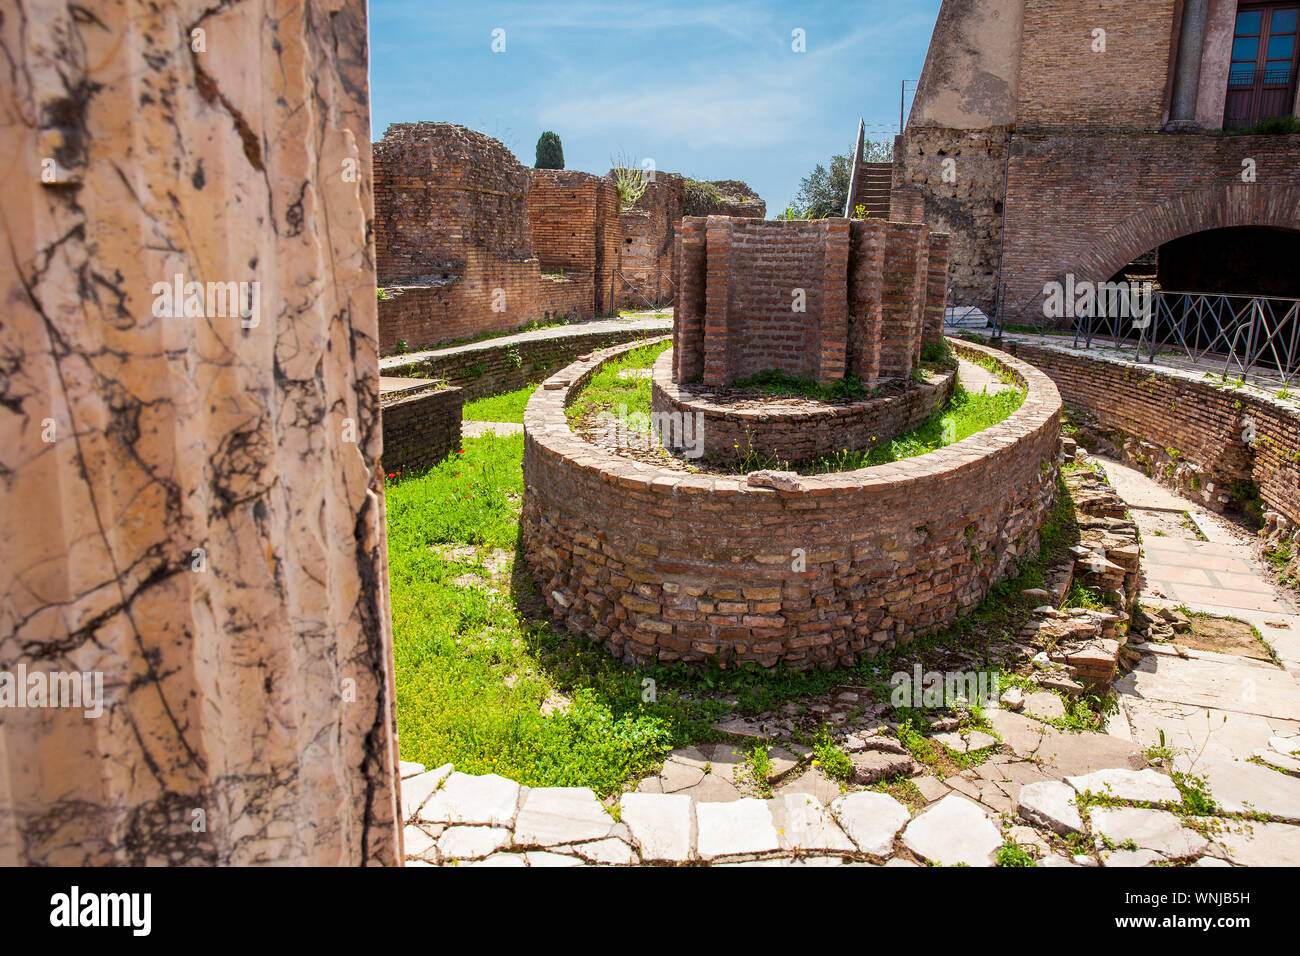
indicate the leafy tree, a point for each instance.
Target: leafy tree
{"x":824,"y":192}
{"x":550,"y":153}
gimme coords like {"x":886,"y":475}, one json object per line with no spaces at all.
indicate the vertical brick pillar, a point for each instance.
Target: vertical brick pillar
{"x":936,"y":292}
{"x":719,"y":231}
{"x":609,"y":247}
{"x":905,"y":272}
{"x":834,"y":300}
{"x":865,"y":287}
{"x":689,"y":264}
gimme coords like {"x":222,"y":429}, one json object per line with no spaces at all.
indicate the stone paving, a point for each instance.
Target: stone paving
{"x":1027,"y":794}
{"x":976,"y":379}
{"x":1223,"y":713}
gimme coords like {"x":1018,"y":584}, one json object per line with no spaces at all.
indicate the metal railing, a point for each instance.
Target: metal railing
{"x":1249,"y":335}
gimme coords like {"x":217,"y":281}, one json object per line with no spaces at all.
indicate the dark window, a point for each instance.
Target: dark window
{"x":1262,"y":76}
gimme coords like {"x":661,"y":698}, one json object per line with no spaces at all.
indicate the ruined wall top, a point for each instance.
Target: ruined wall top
{"x":442,"y":191}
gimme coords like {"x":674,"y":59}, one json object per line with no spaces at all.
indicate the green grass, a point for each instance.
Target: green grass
{"x":605,"y":391}
{"x":473,"y":665}
{"x":965,"y":415}
{"x":507,"y":407}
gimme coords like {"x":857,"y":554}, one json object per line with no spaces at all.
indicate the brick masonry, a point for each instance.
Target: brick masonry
{"x":1177,"y":412}
{"x":420,"y":430}
{"x":1042,"y":156}
{"x":817,"y":300}
{"x":967,"y":205}
{"x":657,"y":564}
{"x":465,"y":237}
{"x":1090,"y":204}
{"x":489,"y":369}
{"x":796,"y":431}
{"x":576,"y":227}
{"x":1065,"y":83}
{"x":648,"y":233}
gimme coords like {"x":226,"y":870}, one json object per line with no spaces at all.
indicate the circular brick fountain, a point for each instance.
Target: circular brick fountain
{"x":655,"y":563}
{"x":791,"y":430}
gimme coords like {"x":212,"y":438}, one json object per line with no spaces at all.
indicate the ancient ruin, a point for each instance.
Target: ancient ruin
{"x":1048,"y":145}
{"x":1065,"y":636}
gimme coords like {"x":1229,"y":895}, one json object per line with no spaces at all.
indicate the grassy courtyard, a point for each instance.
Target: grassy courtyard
{"x":486,"y":682}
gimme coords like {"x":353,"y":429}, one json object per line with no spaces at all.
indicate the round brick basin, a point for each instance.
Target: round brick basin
{"x":796,"y":431}
{"x":654,"y":563}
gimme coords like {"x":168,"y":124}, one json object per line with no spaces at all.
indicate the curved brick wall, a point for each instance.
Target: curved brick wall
{"x":657,"y":563}
{"x":797,"y":431}
{"x":1202,"y":422}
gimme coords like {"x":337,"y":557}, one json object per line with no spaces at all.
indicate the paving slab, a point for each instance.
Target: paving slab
{"x":815,"y":783}
{"x":802,"y":823}
{"x":661,"y":825}
{"x":471,"y":843}
{"x":611,"y":852}
{"x":555,"y":815}
{"x":734,"y":829}
{"x":1052,"y":805}
{"x":417,"y":789}
{"x":1262,"y":844}
{"x":1156,"y":830}
{"x":487,"y":800}
{"x":1240,"y":787}
{"x":871,"y":820}
{"x":954,"y":830}
{"x":1228,"y":683}
{"x":1138,"y":786}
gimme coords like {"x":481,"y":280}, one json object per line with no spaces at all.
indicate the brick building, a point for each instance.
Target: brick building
{"x":1059,"y":137}
{"x":468,"y":240}
{"x":649,"y":226}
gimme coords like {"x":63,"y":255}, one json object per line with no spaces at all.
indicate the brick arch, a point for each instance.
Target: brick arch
{"x":1192,"y":212}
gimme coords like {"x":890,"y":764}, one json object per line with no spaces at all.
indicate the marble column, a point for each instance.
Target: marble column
{"x":191,"y":506}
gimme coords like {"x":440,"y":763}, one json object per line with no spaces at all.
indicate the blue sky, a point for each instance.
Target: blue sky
{"x":712,"y":91}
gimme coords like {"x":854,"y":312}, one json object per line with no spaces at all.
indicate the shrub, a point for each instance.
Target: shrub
{"x":550,"y":152}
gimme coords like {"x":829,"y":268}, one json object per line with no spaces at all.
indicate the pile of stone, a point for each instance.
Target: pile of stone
{"x":1279,"y":533}
{"x":1161,"y":624}
{"x":1079,"y":649}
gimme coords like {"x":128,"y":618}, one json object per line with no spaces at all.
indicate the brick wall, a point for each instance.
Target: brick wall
{"x":657,"y":564}
{"x":742,"y":279}
{"x":1064,"y":84}
{"x":576,"y":228}
{"x":1202,"y":423}
{"x":797,"y":432}
{"x":463,"y":233}
{"x":442,"y":191}
{"x":489,"y":368}
{"x":462,"y":308}
{"x":1090,"y":204}
{"x":420,"y":430}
